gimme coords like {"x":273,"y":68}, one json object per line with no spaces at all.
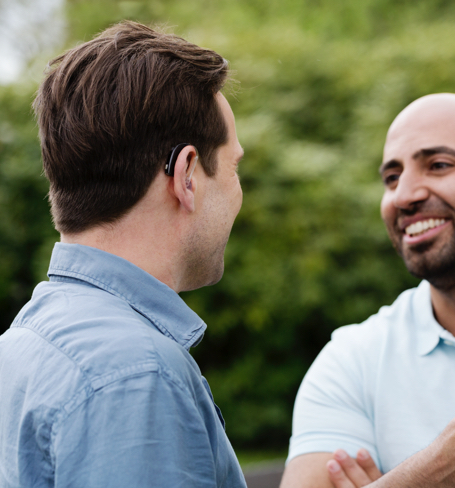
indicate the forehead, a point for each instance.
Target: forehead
{"x":428,"y":122}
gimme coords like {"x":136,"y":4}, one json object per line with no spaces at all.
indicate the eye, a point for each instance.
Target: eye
{"x":390,"y":179}
{"x":441,"y":165}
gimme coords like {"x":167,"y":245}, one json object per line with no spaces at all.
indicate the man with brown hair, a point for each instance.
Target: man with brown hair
{"x":97,"y":386}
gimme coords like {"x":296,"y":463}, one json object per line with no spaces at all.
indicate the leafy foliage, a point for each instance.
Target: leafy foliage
{"x":26,"y":234}
{"x":321,"y":81}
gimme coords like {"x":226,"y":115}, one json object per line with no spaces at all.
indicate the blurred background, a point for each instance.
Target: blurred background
{"x":320,"y":82}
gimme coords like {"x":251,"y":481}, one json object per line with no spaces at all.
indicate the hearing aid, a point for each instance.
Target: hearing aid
{"x":172,"y":158}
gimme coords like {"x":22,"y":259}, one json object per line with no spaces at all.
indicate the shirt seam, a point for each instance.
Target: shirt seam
{"x":98,"y":382}
{"x":25,"y":326}
{"x":90,"y":386}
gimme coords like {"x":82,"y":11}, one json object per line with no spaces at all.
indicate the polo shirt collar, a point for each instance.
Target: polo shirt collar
{"x":429,"y":331}
{"x":161,"y":305}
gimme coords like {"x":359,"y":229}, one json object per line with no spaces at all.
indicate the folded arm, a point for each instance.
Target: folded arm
{"x":308,"y":471}
{"x":327,"y":470}
{"x":433,"y":467}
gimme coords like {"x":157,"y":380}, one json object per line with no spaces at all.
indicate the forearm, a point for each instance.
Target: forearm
{"x":307,"y":471}
{"x":433,"y":467}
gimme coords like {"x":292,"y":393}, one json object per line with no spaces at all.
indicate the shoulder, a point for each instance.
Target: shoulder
{"x":335,"y":405}
{"x":391,"y":322}
{"x":355,"y":351}
{"x":73,"y":345}
{"x":100,"y":334}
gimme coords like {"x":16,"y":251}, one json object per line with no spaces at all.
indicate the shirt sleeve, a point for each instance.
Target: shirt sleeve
{"x":141,"y":431}
{"x":333,"y":405}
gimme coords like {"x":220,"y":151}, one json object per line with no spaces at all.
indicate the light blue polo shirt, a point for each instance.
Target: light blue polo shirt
{"x":387,"y":385}
{"x":98,"y":389}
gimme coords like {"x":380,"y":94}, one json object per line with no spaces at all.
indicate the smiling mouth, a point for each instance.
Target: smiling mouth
{"x":422,"y":226}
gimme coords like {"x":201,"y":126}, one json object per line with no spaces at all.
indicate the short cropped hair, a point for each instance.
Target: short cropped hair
{"x":109,"y":112}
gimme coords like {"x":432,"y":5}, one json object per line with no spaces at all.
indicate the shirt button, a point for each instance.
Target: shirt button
{"x":448,"y":343}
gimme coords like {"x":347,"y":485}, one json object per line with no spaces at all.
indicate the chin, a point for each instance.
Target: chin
{"x":437,"y":268}
{"x":217,"y":277}
{"x":208,"y":278}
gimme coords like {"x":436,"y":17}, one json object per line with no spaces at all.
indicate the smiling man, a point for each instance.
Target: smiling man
{"x":387,"y":385}
{"x":97,"y":385}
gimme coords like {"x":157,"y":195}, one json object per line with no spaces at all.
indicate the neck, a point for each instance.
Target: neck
{"x":444,"y":307}
{"x":144,"y":236}
{"x":153,"y":261}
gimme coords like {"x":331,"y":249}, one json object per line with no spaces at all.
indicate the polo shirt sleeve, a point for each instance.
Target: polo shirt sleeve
{"x":145,"y":430}
{"x":333,"y":406}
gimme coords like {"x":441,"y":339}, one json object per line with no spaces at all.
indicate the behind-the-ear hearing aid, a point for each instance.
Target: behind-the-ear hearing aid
{"x":172,"y":158}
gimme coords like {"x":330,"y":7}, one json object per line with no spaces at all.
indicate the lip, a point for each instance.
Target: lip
{"x":429,"y":234}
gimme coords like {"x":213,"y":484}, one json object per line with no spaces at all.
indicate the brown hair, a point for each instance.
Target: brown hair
{"x":109,"y":112}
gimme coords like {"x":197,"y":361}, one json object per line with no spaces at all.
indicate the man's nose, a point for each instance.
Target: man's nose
{"x":410,"y":190}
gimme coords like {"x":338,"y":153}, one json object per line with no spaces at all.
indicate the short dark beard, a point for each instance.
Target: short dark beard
{"x":438,"y":269}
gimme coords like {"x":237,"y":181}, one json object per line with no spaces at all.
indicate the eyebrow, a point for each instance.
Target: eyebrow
{"x":430,"y":151}
{"x":434,"y":150}
{"x":393,"y":163}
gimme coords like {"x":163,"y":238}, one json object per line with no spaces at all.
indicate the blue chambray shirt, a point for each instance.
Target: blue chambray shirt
{"x":97,"y":388}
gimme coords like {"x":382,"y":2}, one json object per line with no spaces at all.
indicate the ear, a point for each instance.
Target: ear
{"x":184,"y":184}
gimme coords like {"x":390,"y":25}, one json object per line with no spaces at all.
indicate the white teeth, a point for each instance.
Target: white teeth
{"x":422,"y":226}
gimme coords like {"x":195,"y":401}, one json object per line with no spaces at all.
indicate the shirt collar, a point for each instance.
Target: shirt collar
{"x":429,"y":331}
{"x":150,"y":297}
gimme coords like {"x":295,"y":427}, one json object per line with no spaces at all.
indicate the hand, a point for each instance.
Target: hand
{"x":345,"y":472}
{"x":433,"y":467}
